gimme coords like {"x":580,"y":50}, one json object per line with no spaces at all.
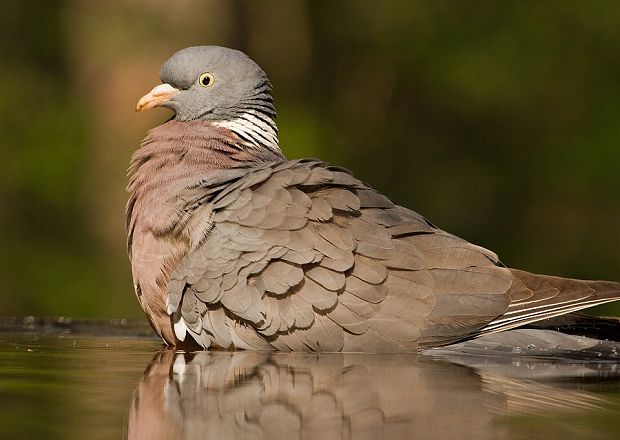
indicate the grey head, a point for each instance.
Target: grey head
{"x":214,"y":83}
{"x":221,"y":85}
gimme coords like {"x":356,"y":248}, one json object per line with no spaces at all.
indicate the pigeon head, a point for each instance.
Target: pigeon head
{"x":212,"y":83}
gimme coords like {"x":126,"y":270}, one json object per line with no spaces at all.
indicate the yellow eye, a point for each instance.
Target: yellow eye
{"x":206,"y":79}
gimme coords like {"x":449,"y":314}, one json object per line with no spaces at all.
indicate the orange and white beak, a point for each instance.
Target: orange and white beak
{"x":156,"y":97}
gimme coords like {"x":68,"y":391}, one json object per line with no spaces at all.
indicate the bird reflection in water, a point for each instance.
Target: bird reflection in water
{"x":254,"y":395}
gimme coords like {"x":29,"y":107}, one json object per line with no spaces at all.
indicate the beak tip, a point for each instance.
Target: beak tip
{"x":156,"y":97}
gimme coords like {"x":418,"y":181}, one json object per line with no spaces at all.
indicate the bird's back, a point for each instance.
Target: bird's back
{"x":302,"y":256}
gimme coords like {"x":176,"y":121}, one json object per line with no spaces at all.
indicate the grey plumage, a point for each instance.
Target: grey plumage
{"x":233,"y":246}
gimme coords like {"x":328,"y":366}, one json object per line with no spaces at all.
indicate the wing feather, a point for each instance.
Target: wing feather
{"x":301,"y":256}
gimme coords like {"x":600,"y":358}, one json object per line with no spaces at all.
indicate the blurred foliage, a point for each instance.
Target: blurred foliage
{"x":499,"y":121}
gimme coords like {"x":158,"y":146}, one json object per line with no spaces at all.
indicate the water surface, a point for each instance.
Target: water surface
{"x":107,"y":380}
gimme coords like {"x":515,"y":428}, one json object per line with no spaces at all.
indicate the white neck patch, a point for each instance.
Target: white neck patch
{"x":253,"y":130}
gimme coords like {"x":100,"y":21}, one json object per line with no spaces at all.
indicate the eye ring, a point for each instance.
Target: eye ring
{"x":206,"y":79}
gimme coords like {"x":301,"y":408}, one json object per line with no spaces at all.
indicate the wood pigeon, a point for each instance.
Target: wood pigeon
{"x":233,"y":246}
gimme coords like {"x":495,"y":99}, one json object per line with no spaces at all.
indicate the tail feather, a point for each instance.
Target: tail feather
{"x":580,"y":324}
{"x":538,"y":297}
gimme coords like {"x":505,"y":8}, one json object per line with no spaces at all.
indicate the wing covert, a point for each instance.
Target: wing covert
{"x":303,"y":256}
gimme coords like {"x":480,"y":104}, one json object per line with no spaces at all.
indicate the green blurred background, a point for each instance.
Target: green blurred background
{"x":499,"y":121}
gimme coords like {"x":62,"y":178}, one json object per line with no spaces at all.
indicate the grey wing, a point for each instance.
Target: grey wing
{"x":303,"y":256}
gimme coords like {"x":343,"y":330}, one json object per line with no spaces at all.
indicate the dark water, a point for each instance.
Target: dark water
{"x":110,"y":381}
